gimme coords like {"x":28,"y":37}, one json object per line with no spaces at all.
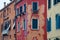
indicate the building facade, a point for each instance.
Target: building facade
{"x":7,"y":22}
{"x":31,"y":19}
{"x":53,"y":20}
{"x":1,"y":21}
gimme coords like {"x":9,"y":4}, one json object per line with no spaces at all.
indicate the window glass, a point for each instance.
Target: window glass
{"x":20,"y":9}
{"x":17,"y":11}
{"x":24,"y":25}
{"x":18,"y":26}
{"x":57,"y":21}
{"x":24,"y":7}
{"x":34,"y":23}
{"x":58,"y":0}
{"x":6,"y":25}
{"x":49,"y":25}
{"x":35,"y":6}
{"x":49,"y":4}
{"x":55,"y":2}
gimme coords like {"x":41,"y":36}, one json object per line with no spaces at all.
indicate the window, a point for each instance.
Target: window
{"x":24,"y":25}
{"x":35,"y":6}
{"x":57,"y":39}
{"x":49,"y":39}
{"x":49,"y":4}
{"x":56,"y":1}
{"x":49,"y":25}
{"x":6,"y":25}
{"x":57,"y":21}
{"x":18,"y":27}
{"x":34,"y":24}
{"x":17,"y":11}
{"x":20,"y":9}
{"x":24,"y":7}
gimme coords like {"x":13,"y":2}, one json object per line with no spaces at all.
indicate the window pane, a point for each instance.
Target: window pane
{"x":35,"y":24}
{"x":57,"y":21}
{"x":24,"y":25}
{"x":49,"y":4}
{"x":57,"y":39}
{"x":18,"y":26}
{"x":21,"y":9}
{"x":24,"y":7}
{"x":58,"y":0}
{"x":55,"y":2}
{"x":49,"y":25}
{"x":17,"y":11}
{"x":34,"y":6}
{"x":6,"y":25}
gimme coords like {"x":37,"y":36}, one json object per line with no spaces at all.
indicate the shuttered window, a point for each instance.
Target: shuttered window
{"x":57,"y":21}
{"x":49,"y":25}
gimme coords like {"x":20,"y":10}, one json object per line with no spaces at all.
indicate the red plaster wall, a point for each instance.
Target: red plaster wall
{"x":40,"y":34}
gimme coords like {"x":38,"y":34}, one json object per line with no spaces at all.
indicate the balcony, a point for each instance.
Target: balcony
{"x":5,"y":32}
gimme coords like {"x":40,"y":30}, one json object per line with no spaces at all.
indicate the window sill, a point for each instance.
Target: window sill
{"x":35,"y":29}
